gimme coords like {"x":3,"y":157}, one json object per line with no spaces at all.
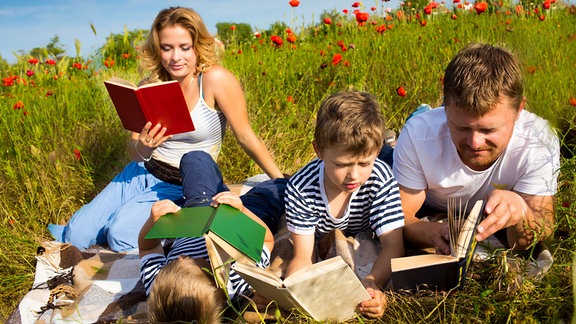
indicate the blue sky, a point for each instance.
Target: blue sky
{"x":25,"y":24}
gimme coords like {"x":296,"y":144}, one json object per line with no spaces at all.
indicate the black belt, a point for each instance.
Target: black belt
{"x":164,"y":171}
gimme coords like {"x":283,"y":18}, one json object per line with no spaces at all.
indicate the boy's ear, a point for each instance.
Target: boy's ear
{"x":318,"y":152}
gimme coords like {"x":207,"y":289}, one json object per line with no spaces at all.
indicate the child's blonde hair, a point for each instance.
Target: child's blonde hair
{"x":183,"y":291}
{"x":352,"y":120}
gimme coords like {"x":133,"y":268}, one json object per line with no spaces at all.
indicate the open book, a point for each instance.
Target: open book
{"x":326,"y":290}
{"x":229,"y":234}
{"x":442,"y":272}
{"x":161,"y":103}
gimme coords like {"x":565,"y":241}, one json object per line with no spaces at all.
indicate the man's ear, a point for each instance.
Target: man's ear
{"x":318,"y":152}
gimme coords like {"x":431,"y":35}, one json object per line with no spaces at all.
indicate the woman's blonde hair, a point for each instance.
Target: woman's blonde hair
{"x":183,"y":291}
{"x":202,"y":42}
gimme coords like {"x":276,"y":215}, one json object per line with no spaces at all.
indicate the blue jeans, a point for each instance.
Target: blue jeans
{"x":117,"y":213}
{"x":202,"y":179}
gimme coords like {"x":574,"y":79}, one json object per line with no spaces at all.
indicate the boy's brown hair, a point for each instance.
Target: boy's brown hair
{"x":352,"y":120}
{"x":479,"y":75}
{"x":182,"y":291}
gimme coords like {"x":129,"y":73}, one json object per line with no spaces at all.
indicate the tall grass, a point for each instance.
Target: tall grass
{"x":61,"y":140}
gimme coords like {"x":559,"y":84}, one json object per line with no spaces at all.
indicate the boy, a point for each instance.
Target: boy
{"x":178,"y":288}
{"x":348,"y":189}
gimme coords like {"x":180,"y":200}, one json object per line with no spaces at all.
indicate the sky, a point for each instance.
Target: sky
{"x":26,"y":24}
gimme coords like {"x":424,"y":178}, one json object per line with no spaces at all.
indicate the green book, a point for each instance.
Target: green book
{"x":223,"y":223}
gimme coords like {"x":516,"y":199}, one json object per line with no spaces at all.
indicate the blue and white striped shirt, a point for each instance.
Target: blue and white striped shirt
{"x":193,"y":247}
{"x":375,"y":205}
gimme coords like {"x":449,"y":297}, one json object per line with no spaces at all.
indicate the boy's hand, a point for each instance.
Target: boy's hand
{"x":229,"y":198}
{"x":163,"y":207}
{"x":374,"y":307}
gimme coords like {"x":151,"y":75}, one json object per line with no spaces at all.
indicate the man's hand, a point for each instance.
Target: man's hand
{"x":441,"y":237}
{"x":503,"y":208}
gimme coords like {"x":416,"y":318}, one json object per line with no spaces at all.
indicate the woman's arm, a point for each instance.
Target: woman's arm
{"x":228,"y":95}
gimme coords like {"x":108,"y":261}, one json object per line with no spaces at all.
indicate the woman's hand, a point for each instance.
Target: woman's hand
{"x":154,"y":137}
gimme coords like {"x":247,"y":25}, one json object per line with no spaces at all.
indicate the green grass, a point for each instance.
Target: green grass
{"x":44,"y":181}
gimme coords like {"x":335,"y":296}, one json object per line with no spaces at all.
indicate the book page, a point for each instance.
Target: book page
{"x":418,"y":261}
{"x":328,"y":290}
{"x":121,"y":82}
{"x":468,"y":230}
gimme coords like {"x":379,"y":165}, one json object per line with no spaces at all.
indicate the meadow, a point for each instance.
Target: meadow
{"x":61,"y":140}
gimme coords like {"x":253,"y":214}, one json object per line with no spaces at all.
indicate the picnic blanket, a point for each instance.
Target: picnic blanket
{"x":95,"y":285}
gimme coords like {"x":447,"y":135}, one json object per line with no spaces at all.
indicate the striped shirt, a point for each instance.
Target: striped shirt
{"x":375,"y":205}
{"x":193,"y":247}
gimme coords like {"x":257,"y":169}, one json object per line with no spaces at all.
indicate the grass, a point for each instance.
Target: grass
{"x":61,"y":140}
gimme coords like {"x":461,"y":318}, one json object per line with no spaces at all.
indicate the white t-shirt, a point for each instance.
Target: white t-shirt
{"x":426,"y":158}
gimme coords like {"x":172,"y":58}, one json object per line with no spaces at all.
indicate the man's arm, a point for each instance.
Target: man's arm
{"x":418,"y":233}
{"x":526,"y":217}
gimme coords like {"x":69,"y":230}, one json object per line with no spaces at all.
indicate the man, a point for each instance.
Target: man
{"x":482,"y":144}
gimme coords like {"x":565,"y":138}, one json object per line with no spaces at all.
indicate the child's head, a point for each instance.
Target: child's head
{"x":183,"y":291}
{"x":353,"y":121}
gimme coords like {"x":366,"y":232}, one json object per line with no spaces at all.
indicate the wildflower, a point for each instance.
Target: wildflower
{"x":346,"y":63}
{"x":373,"y":8}
{"x":336,"y":58}
{"x":33,"y":60}
{"x":288,"y":31}
{"x":345,"y":11}
{"x":291,"y":38}
{"x":7,"y":81}
{"x":77,"y":66}
{"x":572,"y":101}
{"x":362,"y":17}
{"x":277,"y":40}
{"x":546,"y":4}
{"x":322,"y":53}
{"x":294,"y":3}
{"x":49,"y":93}
{"x":428,"y":9}
{"x":401,"y":91}
{"x":257,"y":35}
{"x":480,"y":7}
{"x":126,"y":55}
{"x":423,"y":22}
{"x":50,"y":62}
{"x":18,"y":105}
{"x":25,"y":112}
{"x":542,"y":17}
{"x":454,"y":17}
{"x":109,"y":62}
{"x":327,"y":21}
{"x":77,"y":154}
{"x":290,"y":99}
{"x":29,"y":73}
{"x":381,"y":29}
{"x":233,"y":27}
{"x":356,"y":4}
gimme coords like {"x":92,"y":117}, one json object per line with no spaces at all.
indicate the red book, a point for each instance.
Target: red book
{"x":161,"y":103}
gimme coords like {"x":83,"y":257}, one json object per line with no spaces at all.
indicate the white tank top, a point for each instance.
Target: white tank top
{"x":209,"y":124}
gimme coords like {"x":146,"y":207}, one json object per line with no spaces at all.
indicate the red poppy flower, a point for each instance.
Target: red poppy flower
{"x":109,"y":62}
{"x":29,"y":73}
{"x":327,"y":21}
{"x":546,"y":4}
{"x":362,"y":17}
{"x":345,"y":11}
{"x":290,"y":99}
{"x":454,"y":17}
{"x":291,"y":38}
{"x":322,"y":53}
{"x":77,"y":154}
{"x":572,"y":101}
{"x":277,"y":40}
{"x":428,"y":10}
{"x":373,"y":8}
{"x":288,"y":31}
{"x":50,"y":62}
{"x":423,"y":22}
{"x":356,"y":4}
{"x":336,"y":59}
{"x":233,"y":27}
{"x":542,"y":17}
{"x":77,"y":66}
{"x":381,"y":29}
{"x":33,"y":60}
{"x":294,"y":3}
{"x":18,"y":105}
{"x":257,"y":35}
{"x":480,"y":7}
{"x":49,"y":93}
{"x":401,"y":91}
{"x":346,"y":63}
{"x":456,"y":1}
{"x":7,"y":81}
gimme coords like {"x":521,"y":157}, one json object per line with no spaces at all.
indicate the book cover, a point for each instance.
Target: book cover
{"x":326,"y":290}
{"x":436,"y":271}
{"x":226,"y":222}
{"x":161,"y":103}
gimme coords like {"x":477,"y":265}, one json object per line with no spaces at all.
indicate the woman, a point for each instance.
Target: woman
{"x":180,"y":48}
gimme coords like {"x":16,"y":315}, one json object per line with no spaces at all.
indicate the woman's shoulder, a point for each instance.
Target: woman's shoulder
{"x":216,"y":73}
